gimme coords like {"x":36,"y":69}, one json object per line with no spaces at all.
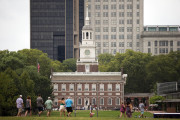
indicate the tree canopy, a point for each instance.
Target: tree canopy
{"x":143,"y":69}
{"x":19,"y":76}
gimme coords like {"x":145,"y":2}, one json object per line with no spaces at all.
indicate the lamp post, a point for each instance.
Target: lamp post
{"x":97,"y":98}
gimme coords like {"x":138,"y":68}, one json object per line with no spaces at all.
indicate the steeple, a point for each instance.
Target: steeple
{"x":87,"y":17}
{"x":87,"y":21}
{"x":87,"y":61}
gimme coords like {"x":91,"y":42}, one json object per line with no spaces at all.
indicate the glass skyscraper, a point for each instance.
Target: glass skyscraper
{"x":55,"y":27}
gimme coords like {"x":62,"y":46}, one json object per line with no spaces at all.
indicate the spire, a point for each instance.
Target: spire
{"x":87,"y":17}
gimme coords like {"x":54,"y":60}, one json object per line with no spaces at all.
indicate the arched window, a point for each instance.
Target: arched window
{"x":87,"y":34}
{"x":90,"y":35}
{"x":83,"y":35}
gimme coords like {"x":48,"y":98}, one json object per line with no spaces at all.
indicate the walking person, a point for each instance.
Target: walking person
{"x":49,"y":105}
{"x":62,"y":106}
{"x":141,"y":107}
{"x":28,"y":106}
{"x":39,"y":105}
{"x":128,"y":110}
{"x":19,"y":104}
{"x":91,"y":108}
{"x":122,"y":110}
{"x":69,"y":106}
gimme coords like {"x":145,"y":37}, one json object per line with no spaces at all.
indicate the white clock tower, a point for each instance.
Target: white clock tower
{"x":87,"y":62}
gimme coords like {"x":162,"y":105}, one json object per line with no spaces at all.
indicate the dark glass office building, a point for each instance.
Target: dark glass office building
{"x":55,"y":27}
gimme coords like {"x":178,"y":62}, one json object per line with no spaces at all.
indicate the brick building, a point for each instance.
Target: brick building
{"x":102,"y":89}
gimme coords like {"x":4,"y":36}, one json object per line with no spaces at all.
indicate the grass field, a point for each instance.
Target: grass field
{"x":84,"y":115}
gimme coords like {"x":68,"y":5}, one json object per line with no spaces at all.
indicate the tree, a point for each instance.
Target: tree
{"x":7,"y":95}
{"x":155,"y":98}
{"x":69,"y":65}
{"x":162,"y":69}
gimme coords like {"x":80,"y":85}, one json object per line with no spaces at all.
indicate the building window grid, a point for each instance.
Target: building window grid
{"x":97,"y":14}
{"x":113,"y":7}
{"x":105,"y":29}
{"x":105,"y":50}
{"x":79,"y":101}
{"x":113,"y":51}
{"x":98,"y":44}
{"x":121,"y":36}
{"x":113,"y":37}
{"x":129,"y":44}
{"x":93,"y":101}
{"x":105,"y":44}
{"x":129,"y":36}
{"x":117,"y":87}
{"x":121,"y":29}
{"x":86,"y":87}
{"x":105,"y":37}
{"x":109,"y":101}
{"x":71,"y":87}
{"x":121,"y":14}
{"x":113,"y":44}
{"x":63,"y":87}
{"x":93,"y":87}
{"x":178,"y":43}
{"x":101,"y":101}
{"x":137,"y":44}
{"x":163,"y":50}
{"x":163,"y":43}
{"x":121,"y":6}
{"x":129,"y":29}
{"x":105,"y":14}
{"x":121,"y":21}
{"x":97,"y":29}
{"x":109,"y":87}
{"x":105,"y":7}
{"x":113,"y":14}
{"x":97,"y":7}
{"x":55,"y":87}
{"x":113,"y":29}
{"x":101,"y":87}
{"x":117,"y":101}
{"x":79,"y":87}
{"x":121,"y":44}
{"x":121,"y":50}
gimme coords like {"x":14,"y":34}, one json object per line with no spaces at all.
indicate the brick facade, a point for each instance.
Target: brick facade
{"x":114,"y":97}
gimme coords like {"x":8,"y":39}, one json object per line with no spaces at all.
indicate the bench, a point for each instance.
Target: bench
{"x":166,"y":115}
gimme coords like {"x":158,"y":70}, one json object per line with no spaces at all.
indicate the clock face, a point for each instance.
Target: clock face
{"x":87,"y":52}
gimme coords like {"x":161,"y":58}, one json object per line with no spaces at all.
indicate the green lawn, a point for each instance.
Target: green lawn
{"x":84,"y":115}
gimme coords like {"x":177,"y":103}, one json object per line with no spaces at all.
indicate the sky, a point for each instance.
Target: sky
{"x":15,"y":20}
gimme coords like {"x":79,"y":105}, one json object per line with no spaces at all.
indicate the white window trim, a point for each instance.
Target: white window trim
{"x":108,"y":101}
{"x":78,"y":101}
{"x":103,"y":101}
{"x":63,"y":87}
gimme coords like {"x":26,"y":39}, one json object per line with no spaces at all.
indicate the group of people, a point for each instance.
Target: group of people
{"x":128,"y":109}
{"x":40,"y":106}
{"x":67,"y":105}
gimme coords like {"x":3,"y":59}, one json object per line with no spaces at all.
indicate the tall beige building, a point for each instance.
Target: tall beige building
{"x":160,"y":39}
{"x":117,"y":24}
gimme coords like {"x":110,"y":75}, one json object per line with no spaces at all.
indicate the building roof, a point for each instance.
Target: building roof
{"x":87,"y":27}
{"x":86,"y":74}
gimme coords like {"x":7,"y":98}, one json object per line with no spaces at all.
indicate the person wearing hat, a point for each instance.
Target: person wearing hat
{"x":19,"y":104}
{"x":49,"y":105}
